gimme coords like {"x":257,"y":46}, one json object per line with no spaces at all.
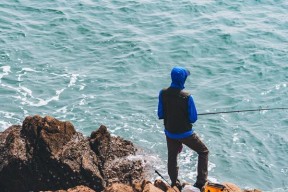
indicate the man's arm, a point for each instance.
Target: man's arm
{"x":160,"y":107}
{"x":192,"y":111}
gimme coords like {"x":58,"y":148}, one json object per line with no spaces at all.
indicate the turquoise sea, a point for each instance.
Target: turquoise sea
{"x":96,"y":62}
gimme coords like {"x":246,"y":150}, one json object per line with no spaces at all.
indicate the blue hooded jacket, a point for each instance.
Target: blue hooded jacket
{"x":178,"y":77}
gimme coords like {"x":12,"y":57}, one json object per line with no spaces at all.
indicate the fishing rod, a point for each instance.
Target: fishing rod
{"x":164,"y":179}
{"x":245,"y":110}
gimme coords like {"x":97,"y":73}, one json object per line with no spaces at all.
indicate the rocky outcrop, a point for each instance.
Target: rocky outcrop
{"x":114,"y":154}
{"x":119,"y":187}
{"x":158,"y":186}
{"x":141,"y":186}
{"x":80,"y":188}
{"x":47,"y":154}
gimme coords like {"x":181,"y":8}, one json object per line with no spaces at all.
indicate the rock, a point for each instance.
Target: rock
{"x":230,"y":187}
{"x":161,"y":185}
{"x":46,"y":135}
{"x":138,"y":186}
{"x":151,"y":188}
{"x":47,"y":154}
{"x":13,"y":159}
{"x":110,"y":148}
{"x":119,"y":187}
{"x":114,"y":153}
{"x":80,"y":188}
{"x":174,"y":189}
{"x":164,"y":187}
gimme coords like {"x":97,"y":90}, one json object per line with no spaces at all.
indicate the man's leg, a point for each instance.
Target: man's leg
{"x":194,"y":143}
{"x":173,"y":147}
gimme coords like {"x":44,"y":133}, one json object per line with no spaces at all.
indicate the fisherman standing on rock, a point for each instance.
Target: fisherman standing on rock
{"x":178,"y":110}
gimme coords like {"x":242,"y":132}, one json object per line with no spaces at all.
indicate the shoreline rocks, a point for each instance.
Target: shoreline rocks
{"x":45,"y":154}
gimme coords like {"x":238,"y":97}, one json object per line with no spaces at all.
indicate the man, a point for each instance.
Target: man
{"x":178,"y":110}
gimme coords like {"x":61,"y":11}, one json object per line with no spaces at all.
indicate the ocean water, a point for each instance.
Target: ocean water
{"x":97,"y":62}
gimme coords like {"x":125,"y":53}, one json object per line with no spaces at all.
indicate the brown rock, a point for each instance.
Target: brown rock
{"x":138,"y":186}
{"x":13,"y":158}
{"x":151,"y":188}
{"x":118,"y":187}
{"x":114,"y":153}
{"x":174,"y":189}
{"x":109,"y":148}
{"x":47,"y":134}
{"x":80,"y":188}
{"x":161,"y":185}
{"x":13,"y":144}
{"x":46,"y":154}
{"x":230,"y":187}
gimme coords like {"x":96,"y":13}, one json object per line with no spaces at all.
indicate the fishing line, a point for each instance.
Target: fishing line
{"x":245,"y":110}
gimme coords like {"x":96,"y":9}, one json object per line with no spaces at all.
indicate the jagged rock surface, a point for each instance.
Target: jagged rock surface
{"x":114,"y":154}
{"x":47,"y":154}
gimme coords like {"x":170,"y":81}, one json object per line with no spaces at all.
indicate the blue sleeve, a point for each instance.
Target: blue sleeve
{"x":160,"y":107}
{"x":192,"y":111}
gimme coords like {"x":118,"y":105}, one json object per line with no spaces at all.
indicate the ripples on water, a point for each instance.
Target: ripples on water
{"x":96,"y":63}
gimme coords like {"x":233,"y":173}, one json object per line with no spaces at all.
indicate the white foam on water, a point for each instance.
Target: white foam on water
{"x":73,"y":79}
{"x":5,"y":120}
{"x":26,"y":91}
{"x":235,"y":137}
{"x":223,"y":118}
{"x":4,"y":125}
{"x":41,"y":102}
{"x":6,"y":70}
{"x":82,"y":102}
{"x":24,"y":72}
{"x":211,"y":166}
{"x":28,"y":69}
{"x":82,"y":87}
{"x":62,"y":110}
{"x":19,"y":77}
{"x":12,"y":88}
{"x":276,"y":190}
{"x":275,"y":87}
{"x":25,"y":112}
{"x":203,"y":2}
{"x":7,"y":114}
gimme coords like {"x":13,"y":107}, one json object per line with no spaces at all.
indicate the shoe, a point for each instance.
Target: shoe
{"x":178,"y":185}
{"x":199,"y":186}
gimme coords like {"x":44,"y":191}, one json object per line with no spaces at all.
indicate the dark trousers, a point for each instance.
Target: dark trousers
{"x":194,"y":143}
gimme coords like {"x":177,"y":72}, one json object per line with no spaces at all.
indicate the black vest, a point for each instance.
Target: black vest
{"x":175,"y":107}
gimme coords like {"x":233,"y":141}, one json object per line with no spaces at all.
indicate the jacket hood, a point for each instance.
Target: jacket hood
{"x":178,"y":77}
